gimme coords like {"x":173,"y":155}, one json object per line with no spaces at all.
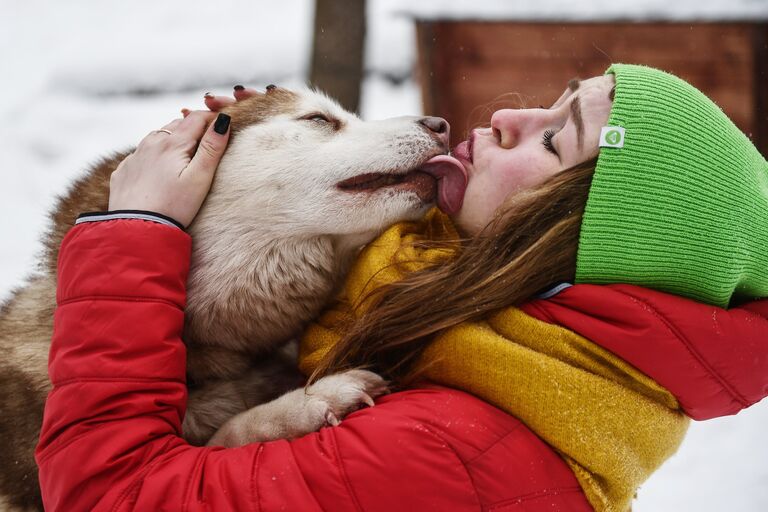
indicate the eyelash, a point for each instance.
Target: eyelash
{"x":547,"y":141}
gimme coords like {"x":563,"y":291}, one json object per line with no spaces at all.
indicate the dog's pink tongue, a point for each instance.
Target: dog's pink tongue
{"x":451,"y":181}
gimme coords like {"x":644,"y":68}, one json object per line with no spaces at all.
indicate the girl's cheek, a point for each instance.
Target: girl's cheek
{"x":506,"y":184}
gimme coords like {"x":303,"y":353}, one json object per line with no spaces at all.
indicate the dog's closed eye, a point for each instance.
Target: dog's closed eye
{"x":323,"y":120}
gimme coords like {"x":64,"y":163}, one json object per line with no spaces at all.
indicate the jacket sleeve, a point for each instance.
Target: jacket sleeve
{"x":111,"y":432}
{"x":714,"y":360}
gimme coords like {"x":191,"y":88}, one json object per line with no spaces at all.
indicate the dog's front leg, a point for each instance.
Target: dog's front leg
{"x":303,"y":410}
{"x":214,"y":401}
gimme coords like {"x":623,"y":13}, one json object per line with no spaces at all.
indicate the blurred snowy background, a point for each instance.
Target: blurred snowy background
{"x":81,"y":78}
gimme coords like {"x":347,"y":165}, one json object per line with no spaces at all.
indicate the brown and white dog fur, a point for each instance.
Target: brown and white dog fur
{"x":295,"y":197}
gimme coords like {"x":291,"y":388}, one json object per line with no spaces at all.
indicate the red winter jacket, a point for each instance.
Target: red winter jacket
{"x":111,"y":434}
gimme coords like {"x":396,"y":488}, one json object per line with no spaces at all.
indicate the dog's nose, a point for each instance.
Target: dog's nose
{"x":438,"y":126}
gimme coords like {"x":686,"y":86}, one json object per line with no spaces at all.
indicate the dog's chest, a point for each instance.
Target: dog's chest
{"x":253,"y":304}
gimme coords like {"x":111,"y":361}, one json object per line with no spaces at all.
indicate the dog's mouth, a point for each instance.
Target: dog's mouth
{"x":440,"y":179}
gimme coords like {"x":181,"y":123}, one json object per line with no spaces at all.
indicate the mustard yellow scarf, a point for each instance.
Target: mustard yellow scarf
{"x":613,"y":425}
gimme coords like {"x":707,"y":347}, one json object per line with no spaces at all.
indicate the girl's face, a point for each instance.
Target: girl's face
{"x":524,"y":147}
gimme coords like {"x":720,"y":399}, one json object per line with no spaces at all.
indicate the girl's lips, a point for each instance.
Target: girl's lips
{"x":464,"y":150}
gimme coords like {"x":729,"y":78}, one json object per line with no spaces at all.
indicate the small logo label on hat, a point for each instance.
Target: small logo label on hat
{"x":612,"y":137}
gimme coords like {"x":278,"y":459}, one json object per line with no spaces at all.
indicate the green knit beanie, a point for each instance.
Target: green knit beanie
{"x":682,"y":206}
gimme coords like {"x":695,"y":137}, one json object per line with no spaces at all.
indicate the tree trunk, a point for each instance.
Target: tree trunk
{"x":337,"y":50}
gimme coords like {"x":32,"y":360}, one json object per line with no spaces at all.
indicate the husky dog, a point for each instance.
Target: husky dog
{"x":302,"y":186}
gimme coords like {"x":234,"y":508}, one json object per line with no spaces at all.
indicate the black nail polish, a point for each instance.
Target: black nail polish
{"x":222,"y":124}
{"x":271,"y":87}
{"x":239,"y":87}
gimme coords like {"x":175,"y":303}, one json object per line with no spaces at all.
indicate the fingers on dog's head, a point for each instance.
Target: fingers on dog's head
{"x":245,"y":93}
{"x":259,"y":106}
{"x":194,"y":125}
{"x":216,"y":103}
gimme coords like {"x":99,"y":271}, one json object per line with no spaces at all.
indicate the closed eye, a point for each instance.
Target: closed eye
{"x":322,"y":120}
{"x":316,"y":117}
{"x":547,"y":141}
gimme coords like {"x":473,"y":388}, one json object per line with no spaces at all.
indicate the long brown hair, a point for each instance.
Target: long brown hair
{"x":530,"y":245}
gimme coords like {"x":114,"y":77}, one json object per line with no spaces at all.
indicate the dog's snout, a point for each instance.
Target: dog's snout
{"x":438,"y":126}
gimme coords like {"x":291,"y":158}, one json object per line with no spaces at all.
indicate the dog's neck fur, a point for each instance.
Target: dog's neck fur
{"x":251,"y":291}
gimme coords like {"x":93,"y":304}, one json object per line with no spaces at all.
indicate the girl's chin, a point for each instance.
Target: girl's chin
{"x":466,"y":227}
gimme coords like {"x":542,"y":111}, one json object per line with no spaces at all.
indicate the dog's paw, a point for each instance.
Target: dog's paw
{"x":302,"y":411}
{"x":335,"y":396}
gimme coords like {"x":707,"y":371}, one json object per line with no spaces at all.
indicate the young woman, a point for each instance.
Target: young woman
{"x":574,"y":398}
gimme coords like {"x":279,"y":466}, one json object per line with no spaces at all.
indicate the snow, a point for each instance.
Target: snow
{"x":721,"y":466}
{"x":551,"y":10}
{"x":82,"y":78}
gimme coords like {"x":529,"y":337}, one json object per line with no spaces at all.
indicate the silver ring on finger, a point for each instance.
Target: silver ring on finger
{"x":169,"y":132}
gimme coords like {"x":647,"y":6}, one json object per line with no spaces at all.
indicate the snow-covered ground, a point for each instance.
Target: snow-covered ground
{"x":81,"y":78}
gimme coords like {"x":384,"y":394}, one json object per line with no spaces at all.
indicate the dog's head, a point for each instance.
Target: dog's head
{"x":299,"y":162}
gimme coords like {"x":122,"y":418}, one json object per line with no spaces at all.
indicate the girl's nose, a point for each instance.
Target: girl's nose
{"x":509,"y":125}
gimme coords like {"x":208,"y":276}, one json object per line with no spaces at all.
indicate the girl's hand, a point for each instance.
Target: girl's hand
{"x":171,"y":173}
{"x":216,"y":103}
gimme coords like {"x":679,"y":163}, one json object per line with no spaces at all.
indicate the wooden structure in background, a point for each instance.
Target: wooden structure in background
{"x":466,"y":66}
{"x":338,"y":50}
